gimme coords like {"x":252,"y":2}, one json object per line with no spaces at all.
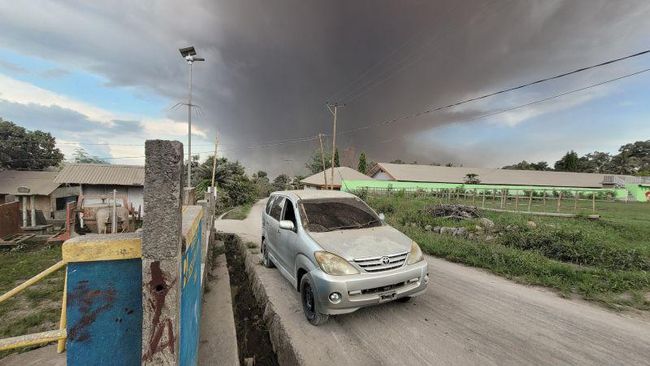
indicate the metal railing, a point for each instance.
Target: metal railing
{"x":27,"y":340}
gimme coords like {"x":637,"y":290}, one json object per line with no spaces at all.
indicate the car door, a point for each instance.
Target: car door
{"x":273,"y":229}
{"x":266,"y":214}
{"x":287,"y":247}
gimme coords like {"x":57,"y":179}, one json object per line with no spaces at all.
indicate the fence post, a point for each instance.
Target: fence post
{"x":503,"y":192}
{"x":483,"y":203}
{"x":516,"y":200}
{"x":161,"y":252}
{"x":559,"y":201}
{"x":530,"y":200}
{"x":544,"y":199}
{"x":593,"y":201}
{"x":575,"y":202}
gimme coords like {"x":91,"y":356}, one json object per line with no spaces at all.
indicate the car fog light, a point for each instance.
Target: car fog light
{"x":335,"y":298}
{"x":426,"y":279}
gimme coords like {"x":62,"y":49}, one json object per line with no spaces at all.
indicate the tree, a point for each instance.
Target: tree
{"x":315,"y":161}
{"x":262,"y":183}
{"x":281,"y":182}
{"x":362,"y":167}
{"x":233,"y":185}
{"x":568,"y":163}
{"x":524,"y":165}
{"x":595,"y":162}
{"x":296,"y":182}
{"x":472,"y":178}
{"x":26,"y":150}
{"x":636,"y":155}
{"x":81,"y":156}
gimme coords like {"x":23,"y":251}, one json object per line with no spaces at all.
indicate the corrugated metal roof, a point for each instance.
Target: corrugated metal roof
{"x":39,"y":183}
{"x":441,"y":174}
{"x":345,"y":172}
{"x":105,"y":174}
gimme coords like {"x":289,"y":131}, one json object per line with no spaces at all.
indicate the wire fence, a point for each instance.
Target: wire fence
{"x":516,"y":200}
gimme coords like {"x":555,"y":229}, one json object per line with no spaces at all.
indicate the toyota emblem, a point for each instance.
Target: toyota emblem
{"x":385,"y":260}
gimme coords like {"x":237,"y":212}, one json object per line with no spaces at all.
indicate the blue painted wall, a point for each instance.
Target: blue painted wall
{"x":104,"y":313}
{"x":191,"y":301}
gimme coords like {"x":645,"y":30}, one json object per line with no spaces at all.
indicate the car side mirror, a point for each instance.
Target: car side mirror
{"x":382,"y":217}
{"x":287,"y":225}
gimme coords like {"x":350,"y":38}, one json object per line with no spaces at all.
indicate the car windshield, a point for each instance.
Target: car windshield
{"x":337,"y":214}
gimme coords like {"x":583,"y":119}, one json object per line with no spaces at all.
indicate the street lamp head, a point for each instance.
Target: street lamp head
{"x":187,"y":51}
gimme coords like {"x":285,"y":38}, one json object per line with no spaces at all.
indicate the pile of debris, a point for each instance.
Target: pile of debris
{"x":458,"y":212}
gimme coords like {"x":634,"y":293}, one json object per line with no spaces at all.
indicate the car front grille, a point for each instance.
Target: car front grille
{"x":383,"y":263}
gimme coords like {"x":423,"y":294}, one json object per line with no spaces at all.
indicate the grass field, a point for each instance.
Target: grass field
{"x":239,"y":212}
{"x":606,"y":260}
{"x":38,"y":308}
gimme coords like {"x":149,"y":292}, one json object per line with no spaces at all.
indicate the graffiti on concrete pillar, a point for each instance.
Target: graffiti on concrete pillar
{"x":158,"y":289}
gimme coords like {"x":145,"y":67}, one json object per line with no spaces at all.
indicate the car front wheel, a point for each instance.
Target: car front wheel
{"x":266,"y":261}
{"x":309,"y":303}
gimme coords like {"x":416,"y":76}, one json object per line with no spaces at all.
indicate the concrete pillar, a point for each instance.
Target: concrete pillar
{"x":161,"y":252}
{"x":32,"y":205}
{"x":24,"y":198}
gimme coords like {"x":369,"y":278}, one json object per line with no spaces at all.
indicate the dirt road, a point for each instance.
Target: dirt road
{"x":467,"y":317}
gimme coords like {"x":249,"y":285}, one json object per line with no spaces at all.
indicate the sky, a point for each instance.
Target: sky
{"x":106,"y":76}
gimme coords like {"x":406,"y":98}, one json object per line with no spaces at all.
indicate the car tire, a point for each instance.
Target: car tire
{"x":404,"y":299}
{"x":266,"y":261}
{"x":308,"y":300}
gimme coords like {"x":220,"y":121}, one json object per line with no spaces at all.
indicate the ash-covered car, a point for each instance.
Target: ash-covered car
{"x":339,"y":253}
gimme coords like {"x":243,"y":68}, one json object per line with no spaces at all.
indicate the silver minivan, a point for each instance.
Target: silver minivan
{"x":339,"y":253}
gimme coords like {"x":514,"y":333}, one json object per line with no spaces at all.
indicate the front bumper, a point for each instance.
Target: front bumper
{"x":367,"y":289}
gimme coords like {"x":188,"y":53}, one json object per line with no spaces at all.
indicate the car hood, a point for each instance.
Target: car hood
{"x":363,"y":243}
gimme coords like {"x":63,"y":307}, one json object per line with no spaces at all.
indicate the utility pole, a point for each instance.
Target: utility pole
{"x":333,"y":108}
{"x":214,"y":162}
{"x":322,"y":158}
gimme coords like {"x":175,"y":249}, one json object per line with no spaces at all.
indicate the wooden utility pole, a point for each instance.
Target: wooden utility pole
{"x":214,"y":162}
{"x":333,"y":108}
{"x":322,"y":159}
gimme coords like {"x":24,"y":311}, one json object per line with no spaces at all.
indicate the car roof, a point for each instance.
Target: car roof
{"x":308,"y":194}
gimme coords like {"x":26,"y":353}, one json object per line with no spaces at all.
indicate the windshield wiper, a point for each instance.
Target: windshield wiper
{"x":354,"y":226}
{"x":369,"y":223}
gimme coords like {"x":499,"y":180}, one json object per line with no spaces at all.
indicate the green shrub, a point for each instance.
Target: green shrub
{"x":576,"y":247}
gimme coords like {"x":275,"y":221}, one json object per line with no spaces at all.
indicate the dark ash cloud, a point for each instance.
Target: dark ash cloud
{"x":271,"y":66}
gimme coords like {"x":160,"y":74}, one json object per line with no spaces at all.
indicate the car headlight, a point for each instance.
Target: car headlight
{"x":333,"y":264}
{"x":415,"y":255}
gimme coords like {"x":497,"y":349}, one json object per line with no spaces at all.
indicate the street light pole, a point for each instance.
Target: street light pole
{"x":189,"y":130}
{"x":189,"y":53}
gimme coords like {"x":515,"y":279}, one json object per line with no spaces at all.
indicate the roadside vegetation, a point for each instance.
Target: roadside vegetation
{"x":606,"y":260}
{"x":239,"y":212}
{"x":235,"y":189}
{"x":38,"y":308}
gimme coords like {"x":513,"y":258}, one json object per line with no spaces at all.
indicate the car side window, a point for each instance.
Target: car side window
{"x":289,"y":213}
{"x":269,"y":203}
{"x":276,"y":208}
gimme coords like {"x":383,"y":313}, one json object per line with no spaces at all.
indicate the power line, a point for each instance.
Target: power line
{"x":455,"y":104}
{"x":510,"y":108}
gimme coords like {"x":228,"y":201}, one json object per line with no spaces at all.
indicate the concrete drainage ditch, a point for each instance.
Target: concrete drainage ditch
{"x":253,"y":339}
